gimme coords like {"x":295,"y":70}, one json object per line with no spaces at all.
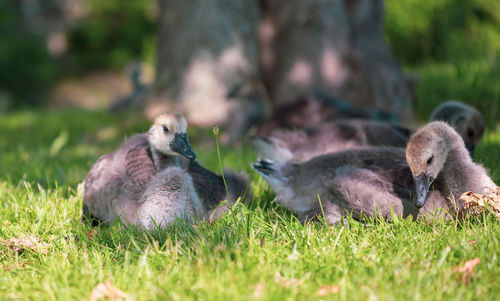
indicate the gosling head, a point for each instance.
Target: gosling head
{"x":466,"y":120}
{"x":426,"y":154}
{"x":168,"y":135}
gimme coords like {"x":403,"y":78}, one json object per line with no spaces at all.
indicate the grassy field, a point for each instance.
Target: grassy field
{"x":259,"y":250}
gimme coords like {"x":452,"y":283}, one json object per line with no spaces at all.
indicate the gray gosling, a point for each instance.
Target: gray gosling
{"x":212,"y":191}
{"x":334,"y":136}
{"x":466,"y":120}
{"x":170,"y":195}
{"x":329,"y":137}
{"x":373,"y":181}
{"x":436,"y":152}
{"x":364,"y":182}
{"x":205,"y":193}
{"x":125,"y":184}
{"x":151,"y":180}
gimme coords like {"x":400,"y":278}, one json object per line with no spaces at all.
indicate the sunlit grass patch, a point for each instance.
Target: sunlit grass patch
{"x":258,"y":250}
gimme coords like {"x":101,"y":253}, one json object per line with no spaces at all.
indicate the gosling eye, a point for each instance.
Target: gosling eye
{"x":429,"y":161}
{"x":165,"y":129}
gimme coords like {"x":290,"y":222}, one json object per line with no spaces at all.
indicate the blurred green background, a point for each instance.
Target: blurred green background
{"x":452,"y":45}
{"x":97,"y":35}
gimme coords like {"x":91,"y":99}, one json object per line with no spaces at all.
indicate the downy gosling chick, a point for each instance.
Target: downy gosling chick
{"x":343,"y":134}
{"x":329,"y":137}
{"x":116,"y":183}
{"x":169,"y":195}
{"x":373,"y":181}
{"x":437,"y":153}
{"x":466,"y":120}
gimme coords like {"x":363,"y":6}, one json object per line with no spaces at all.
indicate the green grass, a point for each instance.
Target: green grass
{"x":474,"y":82}
{"x":44,"y":155}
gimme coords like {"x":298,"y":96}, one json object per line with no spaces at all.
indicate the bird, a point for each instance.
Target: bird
{"x":368,"y":181}
{"x":465,"y":119}
{"x":136,"y":176}
{"x":115,"y":184}
{"x":329,"y":137}
{"x":305,"y":143}
{"x":209,"y":195}
{"x":170,"y":195}
{"x":437,"y":153}
{"x":378,"y":181}
{"x":316,"y":107}
{"x":219,"y":191}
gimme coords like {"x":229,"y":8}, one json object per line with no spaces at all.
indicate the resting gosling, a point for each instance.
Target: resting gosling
{"x":466,"y":120}
{"x":169,"y":195}
{"x":359,"y":182}
{"x":329,"y":137}
{"x":373,"y":181}
{"x":317,"y":107}
{"x":211,"y":189}
{"x":437,"y":153}
{"x":116,"y":183}
{"x":142,"y":162}
{"x":339,"y":135}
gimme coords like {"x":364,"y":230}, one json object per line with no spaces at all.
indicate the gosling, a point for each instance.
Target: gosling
{"x":326,"y":137}
{"x":151,"y":182}
{"x":376,"y":181}
{"x":466,"y":120}
{"x":116,"y":183}
{"x":437,"y":153}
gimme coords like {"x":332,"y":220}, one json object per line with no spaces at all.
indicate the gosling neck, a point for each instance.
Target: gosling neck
{"x":162,"y":161}
{"x":461,"y":174}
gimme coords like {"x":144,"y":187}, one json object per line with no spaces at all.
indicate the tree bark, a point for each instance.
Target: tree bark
{"x":208,"y":61}
{"x":336,"y":47}
{"x":302,"y":47}
{"x":377,"y":80}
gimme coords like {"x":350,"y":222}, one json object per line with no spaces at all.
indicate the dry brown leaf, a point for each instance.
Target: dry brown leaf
{"x":107,"y":290}
{"x":328,"y":290}
{"x":467,"y":269}
{"x":475,"y":203}
{"x":92,"y":234}
{"x":27,"y":242}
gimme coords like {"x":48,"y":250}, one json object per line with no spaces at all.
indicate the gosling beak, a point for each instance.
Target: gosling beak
{"x":181,"y":145}
{"x":422,"y":185}
{"x":470,"y":148}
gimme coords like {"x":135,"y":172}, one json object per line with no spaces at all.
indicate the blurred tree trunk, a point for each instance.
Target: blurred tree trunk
{"x":334,"y":46}
{"x":210,"y":56}
{"x":374,"y":69}
{"x":208,"y":62}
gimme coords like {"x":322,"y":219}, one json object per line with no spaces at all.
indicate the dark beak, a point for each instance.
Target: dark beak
{"x":181,"y":145}
{"x":422,"y":185}
{"x":470,"y":148}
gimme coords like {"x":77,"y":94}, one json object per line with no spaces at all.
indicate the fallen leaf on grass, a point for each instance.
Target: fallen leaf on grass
{"x":475,"y":203}
{"x":92,"y":234}
{"x":327,"y":290}
{"x":27,"y":242}
{"x":467,"y":269}
{"x":107,"y":290}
